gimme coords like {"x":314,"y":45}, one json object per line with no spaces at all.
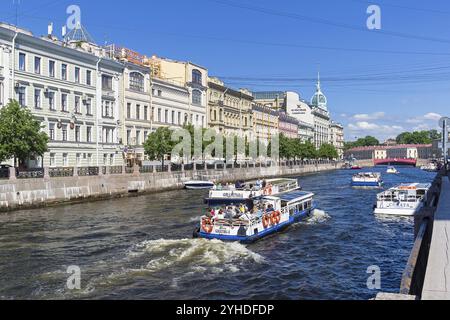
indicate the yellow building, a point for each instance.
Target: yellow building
{"x":229,"y":110}
{"x":265,"y":122}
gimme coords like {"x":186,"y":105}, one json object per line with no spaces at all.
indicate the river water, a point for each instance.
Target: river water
{"x":141,"y":248}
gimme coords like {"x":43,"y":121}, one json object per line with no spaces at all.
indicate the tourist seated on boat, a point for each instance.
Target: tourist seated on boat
{"x":240,"y":185}
{"x":270,"y":208}
{"x":258,"y":184}
{"x":264,"y":184}
{"x":231,"y":186}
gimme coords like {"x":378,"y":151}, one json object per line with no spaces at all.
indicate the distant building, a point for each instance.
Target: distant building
{"x":288,"y":125}
{"x":337,"y":138}
{"x":390,"y":142}
{"x":410,"y":151}
{"x":229,"y":110}
{"x":265,"y":122}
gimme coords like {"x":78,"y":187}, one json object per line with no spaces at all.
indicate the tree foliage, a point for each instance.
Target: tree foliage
{"x":367,"y":141}
{"x":21,"y":135}
{"x":159,"y":144}
{"x":327,"y":151}
{"x":418,"y":137}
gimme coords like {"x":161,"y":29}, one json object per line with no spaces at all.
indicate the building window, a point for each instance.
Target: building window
{"x":88,"y":77}
{"x":105,"y":112}
{"x":145,"y":113}
{"x":37,"y":98}
{"x":89,"y":158}
{"x":159,"y":93}
{"x":65,"y":160}
{"x":173,"y":117}
{"x":138,"y":138}
{"x":128,"y":110}
{"x":179,"y":118}
{"x":78,"y":161}
{"x":145,"y":136}
{"x":37,"y":65}
{"x":51,"y":131}
{"x":51,"y":100}
{"x":89,"y":107}
{"x":196,"y":77}
{"x":166,"y":116}
{"x":21,"y":92}
{"x":196,"y":97}
{"x":64,"y":102}
{"x":64,"y":132}
{"x":77,"y":75}
{"x":77,"y":105}
{"x":159,"y":114}
{"x":64,"y":71}
{"x":22,"y":61}
{"x":1,"y":93}
{"x":77,"y":133}
{"x":52,"y":160}
{"x":129,"y":137}
{"x":106,"y":82}
{"x":105,"y":159}
{"x":51,"y":68}
{"x":88,"y":134}
{"x":138,"y":111}
{"x":136,"y":81}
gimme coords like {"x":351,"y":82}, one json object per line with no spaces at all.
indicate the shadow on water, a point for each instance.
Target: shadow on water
{"x":141,"y":248}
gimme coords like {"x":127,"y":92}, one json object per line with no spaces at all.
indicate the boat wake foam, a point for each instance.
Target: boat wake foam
{"x":194,"y":255}
{"x":318,"y":217}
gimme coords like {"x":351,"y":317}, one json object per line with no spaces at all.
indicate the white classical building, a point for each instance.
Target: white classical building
{"x":71,"y":88}
{"x":322,"y":119}
{"x":302,"y":111}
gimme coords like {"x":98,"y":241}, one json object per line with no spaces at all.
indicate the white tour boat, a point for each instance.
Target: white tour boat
{"x":198,"y":185}
{"x":392,"y":170}
{"x":404,"y":200}
{"x":257,"y":218}
{"x":367,"y":179}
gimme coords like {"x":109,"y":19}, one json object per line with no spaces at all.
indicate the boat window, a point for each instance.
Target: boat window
{"x":291,"y":211}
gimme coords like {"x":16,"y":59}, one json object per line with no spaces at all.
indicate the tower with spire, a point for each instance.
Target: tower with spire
{"x":319,"y":99}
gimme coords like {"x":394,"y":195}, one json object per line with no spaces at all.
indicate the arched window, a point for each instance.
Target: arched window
{"x":136,"y":81}
{"x":196,"y":97}
{"x":197,"y":76}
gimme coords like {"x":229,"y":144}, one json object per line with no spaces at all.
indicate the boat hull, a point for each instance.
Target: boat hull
{"x":373,"y":184}
{"x":198,"y":185}
{"x":397,"y":211}
{"x":299,"y":216}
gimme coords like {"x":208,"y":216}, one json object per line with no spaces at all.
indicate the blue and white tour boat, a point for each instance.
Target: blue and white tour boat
{"x":367,"y":179}
{"x":255,"y":217}
{"x":198,"y":185}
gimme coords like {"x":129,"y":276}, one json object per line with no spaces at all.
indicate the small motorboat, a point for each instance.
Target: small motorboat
{"x":198,"y":185}
{"x":403,"y":200}
{"x":367,"y":179}
{"x":392,"y":170}
{"x":356,"y":167}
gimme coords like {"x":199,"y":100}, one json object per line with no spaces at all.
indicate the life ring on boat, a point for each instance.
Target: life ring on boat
{"x":266,"y":221}
{"x":207,"y":225}
{"x":275,"y":218}
{"x":268,"y":191}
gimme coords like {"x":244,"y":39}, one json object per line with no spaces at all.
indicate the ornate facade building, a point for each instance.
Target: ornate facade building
{"x":287,"y":125}
{"x":71,"y":87}
{"x":229,"y":110}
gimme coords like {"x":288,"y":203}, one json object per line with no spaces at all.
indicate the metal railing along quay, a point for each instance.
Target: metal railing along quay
{"x":59,"y":172}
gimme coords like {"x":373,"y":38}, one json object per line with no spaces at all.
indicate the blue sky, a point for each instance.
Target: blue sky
{"x":377,"y":82}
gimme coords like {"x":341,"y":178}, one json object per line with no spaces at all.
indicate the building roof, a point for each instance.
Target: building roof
{"x":268,"y":95}
{"x":400,"y":146}
{"x":78,"y":34}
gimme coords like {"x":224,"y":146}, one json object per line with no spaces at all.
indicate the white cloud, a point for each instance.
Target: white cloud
{"x":367,"y":117}
{"x":432,"y":116}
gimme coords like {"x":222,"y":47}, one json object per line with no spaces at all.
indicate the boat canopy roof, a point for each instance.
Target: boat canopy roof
{"x":413,"y":186}
{"x":295,"y":195}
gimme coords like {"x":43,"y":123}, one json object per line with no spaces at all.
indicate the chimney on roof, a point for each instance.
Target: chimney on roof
{"x":50,"y":30}
{"x":64,"y":31}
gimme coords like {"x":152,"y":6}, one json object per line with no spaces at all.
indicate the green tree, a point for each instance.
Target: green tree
{"x":159,"y":144}
{"x":21,"y":135}
{"x":327,"y":151}
{"x":416,"y":137}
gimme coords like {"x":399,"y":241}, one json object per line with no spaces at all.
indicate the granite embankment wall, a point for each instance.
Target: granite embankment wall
{"x":31,"y":193}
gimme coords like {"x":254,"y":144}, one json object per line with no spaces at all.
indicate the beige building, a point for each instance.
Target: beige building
{"x":337,"y":138}
{"x":193,"y":78}
{"x":229,"y":110}
{"x":265,"y":122}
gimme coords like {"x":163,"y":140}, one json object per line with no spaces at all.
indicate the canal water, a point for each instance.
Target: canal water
{"x":141,"y":248}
